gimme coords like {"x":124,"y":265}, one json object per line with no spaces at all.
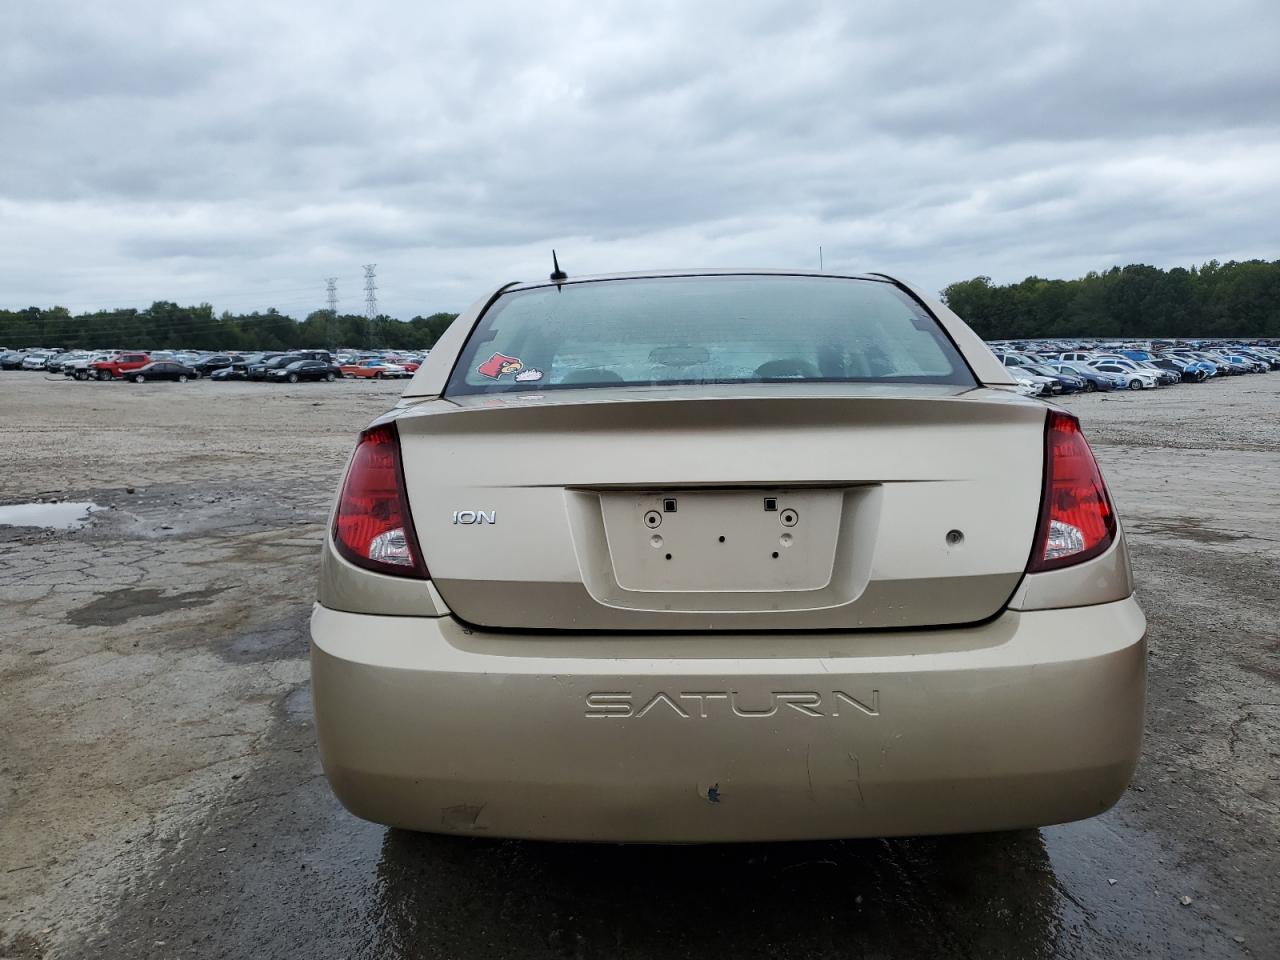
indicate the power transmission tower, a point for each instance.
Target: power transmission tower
{"x":370,"y":301}
{"x":331,"y":294}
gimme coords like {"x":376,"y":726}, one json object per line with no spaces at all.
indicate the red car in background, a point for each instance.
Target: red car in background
{"x":373,"y":369}
{"x":122,"y":364}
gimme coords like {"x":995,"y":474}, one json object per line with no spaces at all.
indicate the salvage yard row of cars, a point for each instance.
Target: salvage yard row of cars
{"x":1042,"y":368}
{"x":140,"y":366}
{"x":1055,"y":368}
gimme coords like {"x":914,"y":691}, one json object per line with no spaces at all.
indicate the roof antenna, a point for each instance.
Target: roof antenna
{"x":557,"y":275}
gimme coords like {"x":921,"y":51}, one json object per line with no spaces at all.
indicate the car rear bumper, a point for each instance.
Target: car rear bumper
{"x":1030,"y":719}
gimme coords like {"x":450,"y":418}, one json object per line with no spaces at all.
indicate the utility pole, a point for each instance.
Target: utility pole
{"x":370,"y":301}
{"x":331,"y":295}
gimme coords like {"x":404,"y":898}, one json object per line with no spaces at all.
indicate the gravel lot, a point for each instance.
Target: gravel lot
{"x":160,"y":793}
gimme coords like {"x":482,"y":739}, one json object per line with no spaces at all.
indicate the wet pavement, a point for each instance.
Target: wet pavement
{"x":288,"y":873}
{"x":160,"y":793}
{"x":50,"y":516}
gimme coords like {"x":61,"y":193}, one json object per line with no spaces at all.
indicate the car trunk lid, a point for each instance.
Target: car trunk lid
{"x":743,"y":508}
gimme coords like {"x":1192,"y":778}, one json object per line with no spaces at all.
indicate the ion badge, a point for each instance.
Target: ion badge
{"x":532,"y":375}
{"x":498,"y":364}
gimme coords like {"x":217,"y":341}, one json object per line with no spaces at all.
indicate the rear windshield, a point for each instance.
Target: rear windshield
{"x":692,"y":330}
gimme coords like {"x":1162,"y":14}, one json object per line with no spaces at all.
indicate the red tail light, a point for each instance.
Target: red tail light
{"x":373,"y":528}
{"x":1077,"y":521}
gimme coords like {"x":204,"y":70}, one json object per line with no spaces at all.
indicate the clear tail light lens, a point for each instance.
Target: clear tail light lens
{"x":373,"y":528}
{"x":1077,"y":521}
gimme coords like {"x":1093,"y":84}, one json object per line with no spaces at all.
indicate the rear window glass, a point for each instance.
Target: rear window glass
{"x":691,"y":330}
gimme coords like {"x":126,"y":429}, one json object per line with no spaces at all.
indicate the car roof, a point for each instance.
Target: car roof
{"x":697,"y":272}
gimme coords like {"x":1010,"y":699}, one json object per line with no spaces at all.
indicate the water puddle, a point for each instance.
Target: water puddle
{"x":51,"y":516}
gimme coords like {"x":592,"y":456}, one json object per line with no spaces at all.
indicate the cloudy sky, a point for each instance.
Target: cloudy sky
{"x":239,"y":152}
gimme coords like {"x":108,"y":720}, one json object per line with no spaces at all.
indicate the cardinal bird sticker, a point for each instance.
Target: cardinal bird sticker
{"x":499,"y":364}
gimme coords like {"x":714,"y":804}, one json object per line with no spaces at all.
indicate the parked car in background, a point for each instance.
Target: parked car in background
{"x":306,"y":370}
{"x":1112,"y":357}
{"x":1046,"y":386}
{"x":1134,"y":378}
{"x":238,"y":370}
{"x":1027,"y":388}
{"x":118,"y":365}
{"x":1013,"y":359}
{"x":1094,"y":379}
{"x":1220,"y":366}
{"x":81,"y":366}
{"x":1271,"y":361}
{"x":1248,"y":364}
{"x":260,"y":371}
{"x":163,"y":370}
{"x":409,"y":364}
{"x":1188,"y":371}
{"x":1209,"y":370}
{"x":214,"y":362}
{"x":1163,"y":377}
{"x":1166,"y":377}
{"x":1070,"y":382}
{"x":373,"y":369}
{"x":65,"y":363}
{"x":38,"y":361}
{"x":1226,"y":364}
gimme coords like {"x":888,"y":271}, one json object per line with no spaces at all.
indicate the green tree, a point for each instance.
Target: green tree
{"x":1135,"y":301}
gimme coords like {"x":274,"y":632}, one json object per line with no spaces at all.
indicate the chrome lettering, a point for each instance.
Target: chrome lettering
{"x":870,"y":711}
{"x":806,"y":703}
{"x":733,"y":702}
{"x":608,"y":705}
{"x":475,"y":516}
{"x":702,"y":698}
{"x":620,"y":704}
{"x":664,"y":698}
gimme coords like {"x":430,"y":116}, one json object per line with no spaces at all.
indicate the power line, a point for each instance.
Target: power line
{"x":370,"y":301}
{"x":370,"y":292}
{"x":331,"y":295}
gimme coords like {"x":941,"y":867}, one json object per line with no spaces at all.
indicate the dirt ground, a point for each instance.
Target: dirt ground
{"x":160,"y":793}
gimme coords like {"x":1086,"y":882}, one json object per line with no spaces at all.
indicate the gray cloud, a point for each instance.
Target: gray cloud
{"x":240,"y":152}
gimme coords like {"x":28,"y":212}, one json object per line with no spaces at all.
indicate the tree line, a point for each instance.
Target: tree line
{"x":166,"y":325}
{"x":1235,"y":299}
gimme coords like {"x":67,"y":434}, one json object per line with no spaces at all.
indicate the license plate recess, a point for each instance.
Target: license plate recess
{"x":723,"y":541}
